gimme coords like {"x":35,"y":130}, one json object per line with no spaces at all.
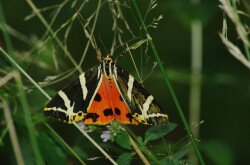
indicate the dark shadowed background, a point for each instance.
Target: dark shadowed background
{"x":225,"y":90}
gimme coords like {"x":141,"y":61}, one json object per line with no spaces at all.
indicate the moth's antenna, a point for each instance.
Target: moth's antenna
{"x":120,"y":55}
{"x":123,"y":45}
{"x":104,"y":46}
{"x":128,"y":49}
{"x":90,"y":36}
{"x":151,"y":72}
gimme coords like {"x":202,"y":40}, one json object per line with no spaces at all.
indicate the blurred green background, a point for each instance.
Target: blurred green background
{"x":225,"y":90}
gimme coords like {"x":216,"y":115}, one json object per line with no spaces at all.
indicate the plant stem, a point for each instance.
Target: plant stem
{"x":91,"y":33}
{"x":196,"y":67}
{"x":138,"y":151}
{"x":25,"y":73}
{"x":95,"y":144}
{"x":28,"y":121}
{"x":64,"y":143}
{"x":195,"y":84}
{"x":137,"y":72}
{"x":167,"y":81}
{"x":12,"y":132}
{"x":22,"y":97}
{"x":241,"y":30}
{"x":37,"y":12}
{"x":144,"y":149}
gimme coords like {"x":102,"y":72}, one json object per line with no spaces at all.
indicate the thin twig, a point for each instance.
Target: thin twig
{"x":195,"y":82}
{"x":235,"y":51}
{"x":60,"y":6}
{"x":137,"y":72}
{"x":95,"y":144}
{"x":67,"y":32}
{"x":138,"y":151}
{"x":7,"y":78}
{"x":91,"y":34}
{"x":25,"y":73}
{"x":12,"y":131}
{"x":13,"y":32}
{"x":232,"y":12}
{"x":34,"y":8}
{"x":64,"y":143}
{"x":169,"y":85}
{"x":22,"y":98}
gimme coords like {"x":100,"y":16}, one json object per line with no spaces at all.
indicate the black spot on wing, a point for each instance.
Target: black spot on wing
{"x":117,"y":111}
{"x":92,"y":116}
{"x":98,"y":97}
{"x":129,"y":116}
{"x":92,"y":81}
{"x":120,"y":97}
{"x":108,"y":112}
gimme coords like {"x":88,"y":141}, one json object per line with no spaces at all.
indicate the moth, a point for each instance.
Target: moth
{"x":105,"y":93}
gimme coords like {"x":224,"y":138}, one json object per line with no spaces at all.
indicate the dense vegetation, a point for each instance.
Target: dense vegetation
{"x":193,"y":56}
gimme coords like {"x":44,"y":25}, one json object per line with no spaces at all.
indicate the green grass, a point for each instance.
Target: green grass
{"x":22,"y":98}
{"x":171,"y":90}
{"x":139,"y":146}
{"x":61,"y":143}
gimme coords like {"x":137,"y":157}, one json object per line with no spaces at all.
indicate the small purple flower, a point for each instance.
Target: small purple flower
{"x":83,"y":126}
{"x":105,"y":135}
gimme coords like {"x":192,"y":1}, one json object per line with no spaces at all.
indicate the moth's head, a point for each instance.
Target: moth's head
{"x":107,"y":59}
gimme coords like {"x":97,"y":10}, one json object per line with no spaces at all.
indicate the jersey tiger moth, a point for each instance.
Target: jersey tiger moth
{"x":102,"y":94}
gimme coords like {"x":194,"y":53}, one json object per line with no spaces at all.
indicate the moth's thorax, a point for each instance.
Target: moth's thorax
{"x":109,"y":80}
{"x":108,"y":67}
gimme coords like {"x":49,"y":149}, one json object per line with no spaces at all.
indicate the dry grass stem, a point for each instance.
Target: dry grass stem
{"x":138,"y":151}
{"x":235,"y":51}
{"x":9,"y":120}
{"x":95,"y":144}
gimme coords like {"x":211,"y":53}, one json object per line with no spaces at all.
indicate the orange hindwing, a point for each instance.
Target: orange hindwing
{"x":103,"y":94}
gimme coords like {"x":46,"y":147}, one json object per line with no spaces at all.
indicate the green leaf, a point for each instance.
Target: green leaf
{"x":172,"y":161}
{"x":51,"y":152}
{"x":123,"y":140}
{"x":78,"y":150}
{"x":125,"y":158}
{"x":139,"y":140}
{"x":157,"y":132}
{"x":214,"y":150}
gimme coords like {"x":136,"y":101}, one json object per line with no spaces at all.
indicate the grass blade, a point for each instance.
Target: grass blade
{"x":167,"y":81}
{"x":22,"y":98}
{"x":12,"y":132}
